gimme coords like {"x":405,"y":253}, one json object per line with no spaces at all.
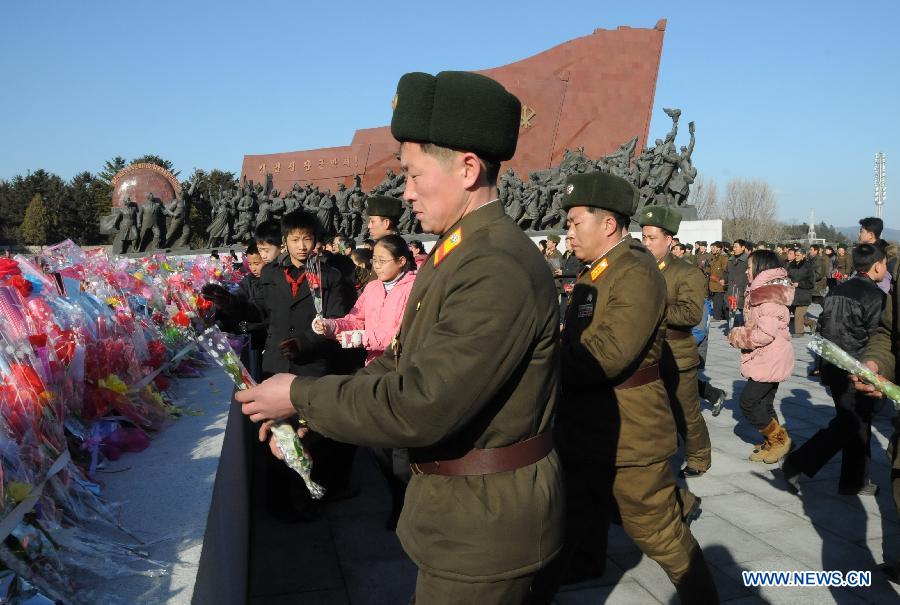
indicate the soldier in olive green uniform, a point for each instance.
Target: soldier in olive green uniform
{"x":685,"y":295}
{"x":384,"y":212}
{"x":822,"y":267}
{"x":469,"y":385}
{"x":718,"y":266}
{"x":614,"y":428}
{"x":702,"y":258}
{"x":843,"y":262}
{"x":881,"y":354}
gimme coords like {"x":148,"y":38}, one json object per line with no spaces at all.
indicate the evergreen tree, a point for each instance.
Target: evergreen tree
{"x":16,"y":194}
{"x":111,"y":168}
{"x":155,"y":159}
{"x":35,"y":227}
{"x":76,"y":216}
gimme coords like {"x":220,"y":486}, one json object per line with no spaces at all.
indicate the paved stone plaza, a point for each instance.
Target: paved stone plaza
{"x":748,"y":522}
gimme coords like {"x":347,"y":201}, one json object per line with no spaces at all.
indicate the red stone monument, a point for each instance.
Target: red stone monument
{"x":594,"y":92}
{"x":137,"y":180}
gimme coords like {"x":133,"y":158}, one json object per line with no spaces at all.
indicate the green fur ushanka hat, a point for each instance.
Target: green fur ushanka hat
{"x":660,"y":216}
{"x":382,"y":205}
{"x":600,"y":190}
{"x":460,"y":110}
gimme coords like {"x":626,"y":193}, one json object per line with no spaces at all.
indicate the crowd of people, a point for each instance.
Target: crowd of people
{"x":517,"y":411}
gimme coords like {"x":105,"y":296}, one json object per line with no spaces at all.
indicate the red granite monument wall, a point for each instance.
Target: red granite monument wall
{"x":137,"y":180}
{"x":595,"y":91}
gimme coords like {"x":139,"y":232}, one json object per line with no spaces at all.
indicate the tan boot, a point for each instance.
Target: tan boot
{"x":760,"y":451}
{"x":779,"y":445}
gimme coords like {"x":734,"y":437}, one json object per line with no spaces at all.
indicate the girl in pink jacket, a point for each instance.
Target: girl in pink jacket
{"x":767,"y":355}
{"x":375,"y":319}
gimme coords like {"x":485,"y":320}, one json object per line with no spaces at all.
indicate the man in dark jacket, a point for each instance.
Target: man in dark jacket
{"x":803,"y":277}
{"x":850,"y":315}
{"x":736,"y":277}
{"x":566,"y":277}
{"x":291,"y":293}
{"x":822,"y":266}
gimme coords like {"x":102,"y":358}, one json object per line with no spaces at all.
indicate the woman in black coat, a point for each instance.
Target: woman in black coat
{"x":803,"y":274}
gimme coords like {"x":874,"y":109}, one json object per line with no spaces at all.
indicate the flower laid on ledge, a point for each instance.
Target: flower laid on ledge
{"x":216,"y":345}
{"x":835,"y":355}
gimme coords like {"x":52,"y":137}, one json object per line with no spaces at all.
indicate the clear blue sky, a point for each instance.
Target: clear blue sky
{"x":801,"y":94}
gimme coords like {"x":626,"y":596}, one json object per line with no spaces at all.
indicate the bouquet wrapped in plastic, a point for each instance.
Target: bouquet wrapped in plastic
{"x":835,"y":355}
{"x":216,"y":344}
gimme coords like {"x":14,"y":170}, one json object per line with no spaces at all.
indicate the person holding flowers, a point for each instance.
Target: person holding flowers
{"x":850,"y":314}
{"x":767,"y":356}
{"x":469,"y":384}
{"x":375,"y":319}
{"x":294,"y":289}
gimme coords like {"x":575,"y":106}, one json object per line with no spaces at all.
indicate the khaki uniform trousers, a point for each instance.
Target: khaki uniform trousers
{"x":685,"y":398}
{"x":646,"y":499}
{"x":433,"y":590}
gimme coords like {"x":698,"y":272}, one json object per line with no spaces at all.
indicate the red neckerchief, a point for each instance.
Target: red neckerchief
{"x":295,"y":283}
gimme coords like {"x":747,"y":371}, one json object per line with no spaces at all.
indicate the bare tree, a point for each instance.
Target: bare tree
{"x":704,"y":196}
{"x":749,"y":211}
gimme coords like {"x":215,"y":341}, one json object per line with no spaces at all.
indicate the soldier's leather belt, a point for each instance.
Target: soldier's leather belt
{"x":491,"y":460}
{"x":640,"y":377}
{"x":672,"y":334}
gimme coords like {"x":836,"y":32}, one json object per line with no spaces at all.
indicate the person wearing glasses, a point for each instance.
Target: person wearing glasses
{"x":372,"y":323}
{"x":379,"y":309}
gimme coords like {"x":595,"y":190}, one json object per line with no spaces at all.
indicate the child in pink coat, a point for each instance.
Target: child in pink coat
{"x":378,"y":311}
{"x":767,"y":355}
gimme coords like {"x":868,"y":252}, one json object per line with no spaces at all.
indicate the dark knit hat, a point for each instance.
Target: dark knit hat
{"x":382,"y":205}
{"x":457,"y":109}
{"x":660,"y":216}
{"x":553,"y":238}
{"x":600,"y":190}
{"x":700,"y":243}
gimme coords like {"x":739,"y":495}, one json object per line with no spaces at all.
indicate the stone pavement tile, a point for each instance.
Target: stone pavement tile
{"x":881,"y":505}
{"x":729,"y":465}
{"x":373,"y":495}
{"x":884,"y":549}
{"x":612,"y":574}
{"x":748,"y":600}
{"x":314,"y":564}
{"x":379,"y":581}
{"x":729,"y":585}
{"x":835,"y":514}
{"x":319,"y":597}
{"x":708,"y":485}
{"x":626,"y":592}
{"x":724,"y":544}
{"x":619,"y":542}
{"x":646,"y":572}
{"x":764,"y":482}
{"x":750,"y":513}
{"x":364,"y":538}
{"x":818,"y":548}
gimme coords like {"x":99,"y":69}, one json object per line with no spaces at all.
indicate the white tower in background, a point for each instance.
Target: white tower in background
{"x":880,"y":187}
